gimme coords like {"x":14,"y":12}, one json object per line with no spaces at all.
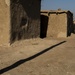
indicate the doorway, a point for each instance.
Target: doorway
{"x":43,"y":26}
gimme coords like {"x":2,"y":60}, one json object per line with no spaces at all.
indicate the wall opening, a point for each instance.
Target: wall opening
{"x":43,"y":26}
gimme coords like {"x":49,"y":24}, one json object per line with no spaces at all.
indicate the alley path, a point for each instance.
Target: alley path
{"x":39,"y":57}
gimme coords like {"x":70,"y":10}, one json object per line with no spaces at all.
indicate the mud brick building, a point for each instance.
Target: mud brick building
{"x":60,"y":23}
{"x":19,"y":19}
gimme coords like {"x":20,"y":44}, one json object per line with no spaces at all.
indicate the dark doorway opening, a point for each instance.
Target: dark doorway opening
{"x":43,"y":26}
{"x":70,"y":26}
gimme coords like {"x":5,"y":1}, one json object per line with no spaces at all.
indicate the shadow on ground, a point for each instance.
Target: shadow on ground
{"x":16,"y":64}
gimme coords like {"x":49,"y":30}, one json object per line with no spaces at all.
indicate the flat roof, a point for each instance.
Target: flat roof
{"x":55,"y":11}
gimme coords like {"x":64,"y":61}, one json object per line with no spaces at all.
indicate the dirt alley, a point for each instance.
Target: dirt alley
{"x":39,"y":57}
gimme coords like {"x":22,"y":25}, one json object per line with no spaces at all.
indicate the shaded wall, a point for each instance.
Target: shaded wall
{"x":25,"y":19}
{"x":70,"y":26}
{"x":19,"y":19}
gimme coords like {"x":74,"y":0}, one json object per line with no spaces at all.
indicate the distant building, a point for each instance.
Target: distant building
{"x":19,"y":19}
{"x":60,"y":23}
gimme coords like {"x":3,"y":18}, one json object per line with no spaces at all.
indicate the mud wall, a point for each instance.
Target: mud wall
{"x":57,"y":25}
{"x":19,"y":19}
{"x":25,"y":19}
{"x":4,"y":22}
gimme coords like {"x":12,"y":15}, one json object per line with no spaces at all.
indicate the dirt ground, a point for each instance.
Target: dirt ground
{"x":39,"y":57}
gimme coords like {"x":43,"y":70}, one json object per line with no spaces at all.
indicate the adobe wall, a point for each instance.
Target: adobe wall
{"x":25,"y":19}
{"x":4,"y":22}
{"x":19,"y":19}
{"x":57,"y":25}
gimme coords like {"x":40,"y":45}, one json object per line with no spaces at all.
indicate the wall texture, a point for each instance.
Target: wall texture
{"x":25,"y":19}
{"x":4,"y":22}
{"x":19,"y":19}
{"x":57,"y":26}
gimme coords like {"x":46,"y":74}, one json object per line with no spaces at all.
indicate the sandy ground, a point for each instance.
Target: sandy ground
{"x":39,"y":57}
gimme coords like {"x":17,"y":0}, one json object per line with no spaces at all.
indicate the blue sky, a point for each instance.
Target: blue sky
{"x":55,"y":4}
